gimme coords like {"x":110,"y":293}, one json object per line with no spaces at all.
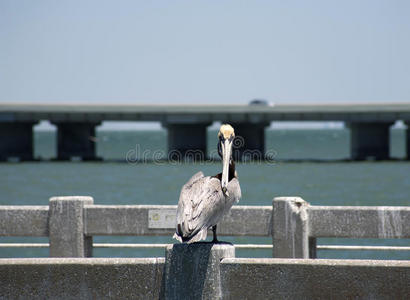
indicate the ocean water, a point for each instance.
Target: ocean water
{"x":308,"y":163}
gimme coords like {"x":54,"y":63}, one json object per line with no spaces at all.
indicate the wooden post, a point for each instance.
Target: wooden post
{"x":408,"y":140}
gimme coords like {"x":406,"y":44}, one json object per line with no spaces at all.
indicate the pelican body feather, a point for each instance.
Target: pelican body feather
{"x":202,"y":204}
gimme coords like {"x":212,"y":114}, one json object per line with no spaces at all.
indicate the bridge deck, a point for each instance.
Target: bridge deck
{"x":370,"y":112}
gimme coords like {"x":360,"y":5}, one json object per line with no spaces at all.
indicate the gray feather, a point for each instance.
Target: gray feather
{"x":202,"y":205}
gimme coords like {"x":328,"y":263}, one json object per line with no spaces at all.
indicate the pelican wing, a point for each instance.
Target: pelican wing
{"x":201,"y":205}
{"x":234,"y":190}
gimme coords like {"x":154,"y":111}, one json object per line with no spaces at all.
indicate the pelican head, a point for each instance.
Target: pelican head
{"x":226,"y":135}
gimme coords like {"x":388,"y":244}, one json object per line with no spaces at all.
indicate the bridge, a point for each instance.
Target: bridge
{"x":186,"y":124}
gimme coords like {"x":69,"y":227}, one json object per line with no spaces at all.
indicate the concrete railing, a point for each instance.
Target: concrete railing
{"x":201,"y":270}
{"x":296,"y":225}
{"x":71,"y":222}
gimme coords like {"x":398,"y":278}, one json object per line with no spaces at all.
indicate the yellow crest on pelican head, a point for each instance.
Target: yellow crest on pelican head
{"x":226,"y":131}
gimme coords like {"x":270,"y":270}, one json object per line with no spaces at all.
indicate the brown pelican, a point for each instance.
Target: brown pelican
{"x":205,"y":200}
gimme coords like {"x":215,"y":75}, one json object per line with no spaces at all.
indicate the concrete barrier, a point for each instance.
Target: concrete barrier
{"x":193,"y":276}
{"x":314,"y":279}
{"x":81,"y":278}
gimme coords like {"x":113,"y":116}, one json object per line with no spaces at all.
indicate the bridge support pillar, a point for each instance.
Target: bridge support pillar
{"x":192,"y":271}
{"x":408,"y":140}
{"x":369,"y":140}
{"x":76,"y":139}
{"x":187,"y":141}
{"x":16,"y":140}
{"x":249,"y":142}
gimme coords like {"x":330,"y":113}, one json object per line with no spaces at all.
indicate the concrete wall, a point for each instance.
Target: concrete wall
{"x":314,"y":279}
{"x":79,"y":278}
{"x":144,"y":278}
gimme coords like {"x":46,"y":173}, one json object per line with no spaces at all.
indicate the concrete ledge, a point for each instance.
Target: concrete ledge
{"x":81,"y":278}
{"x":314,"y":279}
{"x":240,"y":278}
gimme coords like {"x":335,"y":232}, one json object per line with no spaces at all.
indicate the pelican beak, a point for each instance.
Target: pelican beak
{"x":226,"y":145}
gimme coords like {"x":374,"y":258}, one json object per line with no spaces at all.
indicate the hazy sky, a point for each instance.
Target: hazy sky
{"x":204,"y":51}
